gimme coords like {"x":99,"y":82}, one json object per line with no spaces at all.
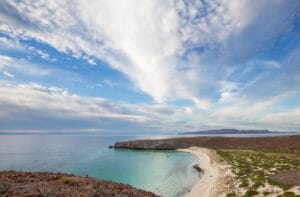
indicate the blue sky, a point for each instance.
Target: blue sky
{"x":149,"y":66}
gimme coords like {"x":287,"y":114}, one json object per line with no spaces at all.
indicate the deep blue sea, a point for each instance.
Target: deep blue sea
{"x":166,"y":173}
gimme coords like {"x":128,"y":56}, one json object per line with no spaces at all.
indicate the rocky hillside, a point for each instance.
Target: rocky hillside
{"x":39,"y":184}
{"x":279,"y":143}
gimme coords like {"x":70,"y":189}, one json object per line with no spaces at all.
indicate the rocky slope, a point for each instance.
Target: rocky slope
{"x":279,"y":143}
{"x":42,"y":184}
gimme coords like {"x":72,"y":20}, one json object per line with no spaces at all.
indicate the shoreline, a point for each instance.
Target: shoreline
{"x":220,"y":158}
{"x":208,"y":185}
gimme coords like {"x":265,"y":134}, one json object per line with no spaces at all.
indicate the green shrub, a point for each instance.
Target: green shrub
{"x":258,"y":183}
{"x":281,"y":185}
{"x":232,"y":194}
{"x":250,"y":193}
{"x":244,"y":183}
{"x":288,"y":194}
{"x":4,"y":188}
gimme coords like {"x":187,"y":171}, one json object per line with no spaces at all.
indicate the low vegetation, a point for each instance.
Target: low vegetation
{"x":256,"y":171}
{"x":46,"y":184}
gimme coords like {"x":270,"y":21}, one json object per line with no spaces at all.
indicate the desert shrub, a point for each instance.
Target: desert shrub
{"x":45,"y":192}
{"x":265,"y":193}
{"x":250,"y":193}
{"x":244,"y":183}
{"x":256,"y":167}
{"x":281,"y":185}
{"x":99,"y":191}
{"x":257,"y":184}
{"x":72,"y":181}
{"x":288,"y":194}
{"x":4,"y":188}
{"x":232,"y":194}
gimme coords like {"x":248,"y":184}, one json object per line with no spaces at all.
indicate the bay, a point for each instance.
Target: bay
{"x":166,"y":173}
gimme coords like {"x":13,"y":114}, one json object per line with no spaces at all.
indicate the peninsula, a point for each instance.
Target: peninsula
{"x":257,"y":166}
{"x":235,"y":131}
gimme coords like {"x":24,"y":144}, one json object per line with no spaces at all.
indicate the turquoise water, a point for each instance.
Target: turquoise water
{"x":166,"y":173}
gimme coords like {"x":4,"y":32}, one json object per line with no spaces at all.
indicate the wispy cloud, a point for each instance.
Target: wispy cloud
{"x":42,"y":104}
{"x":21,"y":65}
{"x":44,"y":55}
{"x":33,"y":107}
{"x":8,"y":74}
{"x":222,"y":56}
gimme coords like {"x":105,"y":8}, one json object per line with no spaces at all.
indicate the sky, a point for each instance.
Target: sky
{"x":147,"y":66}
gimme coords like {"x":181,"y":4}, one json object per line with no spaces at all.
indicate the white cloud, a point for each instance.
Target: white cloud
{"x":283,"y":120}
{"x":8,"y":74}
{"x":208,"y":52}
{"x":109,"y":83}
{"x":29,"y":105}
{"x":9,"y":44}
{"x":37,"y":107}
{"x":41,"y":53}
{"x":147,"y":40}
{"x":27,"y":69}
{"x":227,"y":97}
{"x":92,"y":62}
{"x":22,"y":66}
{"x":55,"y":103}
{"x":189,"y":111}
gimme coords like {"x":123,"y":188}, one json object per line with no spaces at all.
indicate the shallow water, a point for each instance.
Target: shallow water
{"x":166,"y":173}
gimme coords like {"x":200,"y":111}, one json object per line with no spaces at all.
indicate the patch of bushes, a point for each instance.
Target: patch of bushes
{"x":4,"y":188}
{"x":72,"y":181}
{"x":251,"y":193}
{"x":289,"y":194}
{"x":45,"y":192}
{"x":253,"y":168}
{"x":244,"y":183}
{"x":281,"y":185}
{"x":265,"y":193}
{"x":232,"y":194}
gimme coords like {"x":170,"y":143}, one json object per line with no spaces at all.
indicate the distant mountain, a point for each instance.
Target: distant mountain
{"x":231,"y":131}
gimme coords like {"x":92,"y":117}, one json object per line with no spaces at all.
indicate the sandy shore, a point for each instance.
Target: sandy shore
{"x":209,"y":183}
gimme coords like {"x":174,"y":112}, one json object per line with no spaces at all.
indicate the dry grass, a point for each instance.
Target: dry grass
{"x":72,"y":181}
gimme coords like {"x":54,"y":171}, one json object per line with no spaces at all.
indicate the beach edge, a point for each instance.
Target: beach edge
{"x":211,"y":183}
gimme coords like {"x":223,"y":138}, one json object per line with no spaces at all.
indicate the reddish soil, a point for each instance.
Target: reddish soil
{"x":43,"y":184}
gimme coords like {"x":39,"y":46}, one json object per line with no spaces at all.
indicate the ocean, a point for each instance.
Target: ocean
{"x":166,"y":173}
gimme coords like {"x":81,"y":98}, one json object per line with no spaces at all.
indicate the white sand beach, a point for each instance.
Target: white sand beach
{"x":208,"y":185}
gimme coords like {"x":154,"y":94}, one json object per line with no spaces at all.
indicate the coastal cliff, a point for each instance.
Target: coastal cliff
{"x":279,"y":143}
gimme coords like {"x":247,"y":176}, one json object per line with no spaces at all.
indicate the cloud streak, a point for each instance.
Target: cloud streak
{"x":148,"y":41}
{"x":34,"y":107}
{"x":222,"y":56}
